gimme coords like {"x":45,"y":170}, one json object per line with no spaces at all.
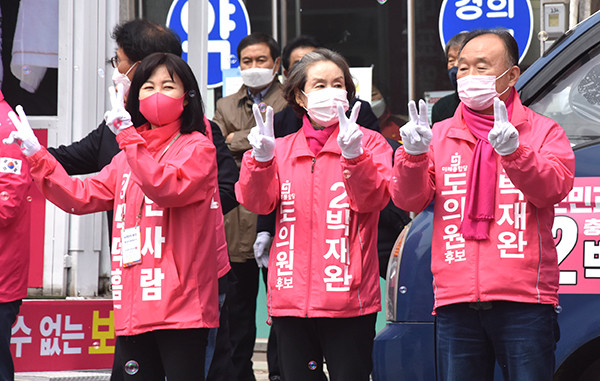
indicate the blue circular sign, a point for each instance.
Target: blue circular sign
{"x":228,"y":24}
{"x":466,"y":15}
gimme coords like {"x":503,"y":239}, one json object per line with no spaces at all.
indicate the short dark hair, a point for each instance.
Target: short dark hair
{"x":456,"y":41}
{"x":192,"y":118}
{"x":259,"y":38}
{"x":510,"y":44}
{"x":139,"y":38}
{"x":303,"y":41}
{"x":297,"y":78}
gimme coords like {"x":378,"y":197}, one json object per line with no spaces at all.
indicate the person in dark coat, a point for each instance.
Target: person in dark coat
{"x":446,"y":106}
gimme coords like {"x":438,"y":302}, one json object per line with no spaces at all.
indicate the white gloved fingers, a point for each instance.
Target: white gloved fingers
{"x":353,"y":135}
{"x":24,"y":126}
{"x":412,"y":112}
{"x":13,"y":137}
{"x":20,"y":122}
{"x":254,"y":138}
{"x":415,"y":138}
{"x":342,"y":120}
{"x":263,"y":261}
{"x":268,"y":127}
{"x":493,"y":135}
{"x":112,"y":94}
{"x":425,"y":133}
{"x":355,"y":112}
{"x":120,"y":96}
{"x":258,"y":117}
{"x":500,"y":112}
{"x":423,"y":118}
{"x":409,"y":130}
{"x":505,"y":134}
{"x":14,"y":119}
{"x":24,"y":135}
{"x":263,"y":146}
{"x":261,"y":248}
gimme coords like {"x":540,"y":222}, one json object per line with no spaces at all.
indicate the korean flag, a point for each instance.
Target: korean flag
{"x":10,"y":165}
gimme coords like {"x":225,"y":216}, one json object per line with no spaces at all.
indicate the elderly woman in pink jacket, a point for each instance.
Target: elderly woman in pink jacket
{"x":327,"y":183}
{"x":162,"y":187}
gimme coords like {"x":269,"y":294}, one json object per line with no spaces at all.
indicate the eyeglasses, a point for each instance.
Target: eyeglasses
{"x":114,"y":61}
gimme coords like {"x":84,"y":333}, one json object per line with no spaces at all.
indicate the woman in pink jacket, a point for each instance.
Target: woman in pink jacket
{"x":327,"y":183}
{"x":162,"y":187}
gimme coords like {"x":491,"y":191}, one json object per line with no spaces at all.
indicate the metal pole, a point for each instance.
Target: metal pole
{"x":410,"y":27}
{"x":297,"y":14}
{"x":198,"y":42}
{"x":573,"y":13}
{"x":587,"y":9}
{"x":274,"y":19}
{"x":283,"y":23}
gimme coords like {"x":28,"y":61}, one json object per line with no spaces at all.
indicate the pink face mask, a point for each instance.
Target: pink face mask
{"x":477,"y":92}
{"x":160,"y":109}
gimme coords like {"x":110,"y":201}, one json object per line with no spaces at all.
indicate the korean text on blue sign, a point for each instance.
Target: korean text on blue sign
{"x":228,"y":24}
{"x":466,"y":15}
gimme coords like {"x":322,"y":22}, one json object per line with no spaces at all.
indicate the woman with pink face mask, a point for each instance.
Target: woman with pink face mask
{"x":327,"y":183}
{"x":163,"y":189}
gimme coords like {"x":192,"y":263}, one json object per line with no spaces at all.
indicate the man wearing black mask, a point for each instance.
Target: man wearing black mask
{"x":446,"y":106}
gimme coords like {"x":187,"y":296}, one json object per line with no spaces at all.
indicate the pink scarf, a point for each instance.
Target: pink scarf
{"x":481,"y":180}
{"x":316,"y":139}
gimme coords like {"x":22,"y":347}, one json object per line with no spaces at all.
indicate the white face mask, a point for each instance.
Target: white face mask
{"x":118,"y":77}
{"x":321,"y":105}
{"x":378,"y":107}
{"x":477,"y":92}
{"x":257,"y":77}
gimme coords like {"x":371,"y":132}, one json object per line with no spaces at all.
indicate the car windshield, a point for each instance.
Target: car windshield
{"x":573,"y":99}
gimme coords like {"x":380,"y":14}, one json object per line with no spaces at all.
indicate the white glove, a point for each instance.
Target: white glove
{"x":416,"y":134}
{"x":504,"y":137}
{"x":24,"y":134}
{"x":262,"y":137}
{"x":117,"y":118}
{"x":350,"y":136}
{"x":261,"y":247}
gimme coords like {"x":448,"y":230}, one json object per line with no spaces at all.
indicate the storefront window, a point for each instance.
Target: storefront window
{"x":29,"y":71}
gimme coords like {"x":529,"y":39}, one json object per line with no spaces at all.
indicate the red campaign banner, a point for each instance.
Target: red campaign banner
{"x":55,"y":335}
{"x":577,"y":233}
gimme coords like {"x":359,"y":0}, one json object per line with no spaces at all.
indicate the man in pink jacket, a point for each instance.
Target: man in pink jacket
{"x":15,"y":182}
{"x":495,"y":170}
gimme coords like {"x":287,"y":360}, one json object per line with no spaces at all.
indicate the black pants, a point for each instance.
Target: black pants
{"x":345,"y":343}
{"x":242,"y":317}
{"x":221,"y":367}
{"x":177,"y":354}
{"x":8,"y":316}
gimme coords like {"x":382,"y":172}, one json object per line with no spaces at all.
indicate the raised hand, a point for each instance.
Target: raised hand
{"x":350,"y":136}
{"x":117,"y":118}
{"x":262,"y":137}
{"x":24,"y":135}
{"x":504,"y":137}
{"x":416,"y":134}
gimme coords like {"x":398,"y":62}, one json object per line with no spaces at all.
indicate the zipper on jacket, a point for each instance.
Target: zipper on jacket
{"x":477,"y":270}
{"x":310,"y":251}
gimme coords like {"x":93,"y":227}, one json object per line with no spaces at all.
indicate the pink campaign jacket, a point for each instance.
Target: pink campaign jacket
{"x":223,"y":265}
{"x":323,"y":261}
{"x":171,"y":180}
{"x":518,"y":262}
{"x":15,"y":214}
